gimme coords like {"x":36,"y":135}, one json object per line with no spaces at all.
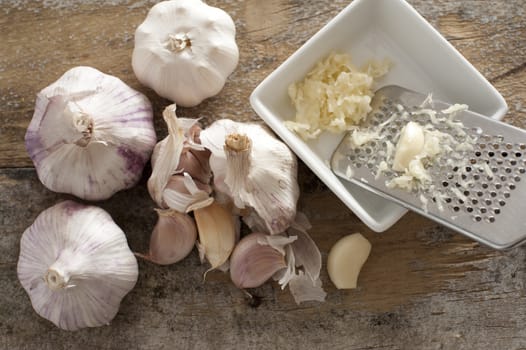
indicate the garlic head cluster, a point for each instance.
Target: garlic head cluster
{"x":185,"y":50}
{"x":90,"y":135}
{"x":255,"y":169}
{"x":76,"y":265}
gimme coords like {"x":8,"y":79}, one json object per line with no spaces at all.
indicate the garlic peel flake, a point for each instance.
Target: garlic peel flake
{"x":76,"y":266}
{"x":90,"y":134}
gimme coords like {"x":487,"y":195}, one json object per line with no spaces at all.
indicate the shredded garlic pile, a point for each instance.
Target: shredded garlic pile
{"x":333,"y":96}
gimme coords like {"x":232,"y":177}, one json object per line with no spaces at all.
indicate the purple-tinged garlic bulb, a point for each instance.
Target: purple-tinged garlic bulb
{"x":76,"y":265}
{"x":90,"y":135}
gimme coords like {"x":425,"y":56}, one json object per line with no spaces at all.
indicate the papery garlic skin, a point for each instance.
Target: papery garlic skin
{"x":256,"y":169}
{"x":171,"y":184}
{"x":90,"y":135}
{"x":76,"y":266}
{"x":185,"y":50}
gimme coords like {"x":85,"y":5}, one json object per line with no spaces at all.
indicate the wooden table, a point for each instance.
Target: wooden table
{"x":423,"y":287}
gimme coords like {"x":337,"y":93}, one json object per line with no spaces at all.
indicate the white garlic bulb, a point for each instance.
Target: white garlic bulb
{"x":76,"y":266}
{"x":90,"y":135}
{"x":185,"y":50}
{"x":255,"y":169}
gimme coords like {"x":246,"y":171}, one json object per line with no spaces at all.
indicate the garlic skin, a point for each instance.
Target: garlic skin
{"x":185,"y":50}
{"x":255,"y":169}
{"x":173,"y":238}
{"x":171,"y":185}
{"x":253,"y":262}
{"x":90,"y":135}
{"x":76,"y":266}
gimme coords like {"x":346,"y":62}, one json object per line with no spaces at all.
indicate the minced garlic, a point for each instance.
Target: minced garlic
{"x":334,"y":96}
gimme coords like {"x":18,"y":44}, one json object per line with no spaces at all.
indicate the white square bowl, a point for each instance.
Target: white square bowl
{"x":422,"y":61}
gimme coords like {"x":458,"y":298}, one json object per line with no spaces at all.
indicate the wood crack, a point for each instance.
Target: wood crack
{"x":509,"y":73}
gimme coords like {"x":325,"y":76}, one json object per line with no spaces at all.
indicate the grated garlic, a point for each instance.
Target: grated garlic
{"x":334,"y":96}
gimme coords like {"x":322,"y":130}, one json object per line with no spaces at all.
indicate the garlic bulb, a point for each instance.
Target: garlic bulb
{"x":255,"y":169}
{"x":90,"y":135}
{"x":254,"y":261}
{"x":76,"y":266}
{"x":180,"y":152}
{"x":185,"y":50}
{"x":217,"y":231}
{"x":173,"y":238}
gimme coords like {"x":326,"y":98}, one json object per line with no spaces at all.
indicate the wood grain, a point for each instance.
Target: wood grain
{"x":423,"y":287}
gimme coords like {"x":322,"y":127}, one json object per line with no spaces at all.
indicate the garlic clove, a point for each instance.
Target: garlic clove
{"x":409,"y":146}
{"x":216,"y":228}
{"x":185,"y":50}
{"x":166,"y":160}
{"x":173,"y":238}
{"x":253,"y":263}
{"x":241,"y":154}
{"x":76,"y":266}
{"x":90,"y":134}
{"x":184,"y":194}
{"x":346,"y":259}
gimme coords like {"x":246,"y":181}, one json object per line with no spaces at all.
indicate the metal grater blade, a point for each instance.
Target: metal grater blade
{"x":478,"y":192}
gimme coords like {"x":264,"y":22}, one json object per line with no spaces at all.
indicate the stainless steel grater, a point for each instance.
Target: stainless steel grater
{"x":478,"y":192}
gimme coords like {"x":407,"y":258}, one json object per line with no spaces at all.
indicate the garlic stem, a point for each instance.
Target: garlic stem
{"x":178,"y":42}
{"x":82,"y":123}
{"x":237,"y":148}
{"x":55,"y":279}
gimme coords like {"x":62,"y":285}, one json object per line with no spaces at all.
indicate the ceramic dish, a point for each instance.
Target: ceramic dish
{"x":422,"y":61}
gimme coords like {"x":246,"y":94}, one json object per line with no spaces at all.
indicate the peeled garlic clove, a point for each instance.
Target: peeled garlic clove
{"x":410,"y":144}
{"x":185,"y":50}
{"x":76,"y":266}
{"x":184,"y":194}
{"x":253,"y":263}
{"x":217,"y":233}
{"x":173,"y":238}
{"x":257,"y":169}
{"x":346,"y":259}
{"x":90,"y":135}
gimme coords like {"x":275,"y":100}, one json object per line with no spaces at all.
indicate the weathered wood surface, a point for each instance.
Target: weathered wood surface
{"x":423,"y":287}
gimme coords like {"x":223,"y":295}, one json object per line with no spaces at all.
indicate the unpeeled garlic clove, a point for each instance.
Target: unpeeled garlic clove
{"x":183,"y":136}
{"x":216,"y":227}
{"x":173,"y":238}
{"x":184,"y":194}
{"x":253,"y":263}
{"x":346,"y":259}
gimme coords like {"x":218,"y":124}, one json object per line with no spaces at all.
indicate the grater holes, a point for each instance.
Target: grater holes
{"x":490,"y":219}
{"x":477,"y":218}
